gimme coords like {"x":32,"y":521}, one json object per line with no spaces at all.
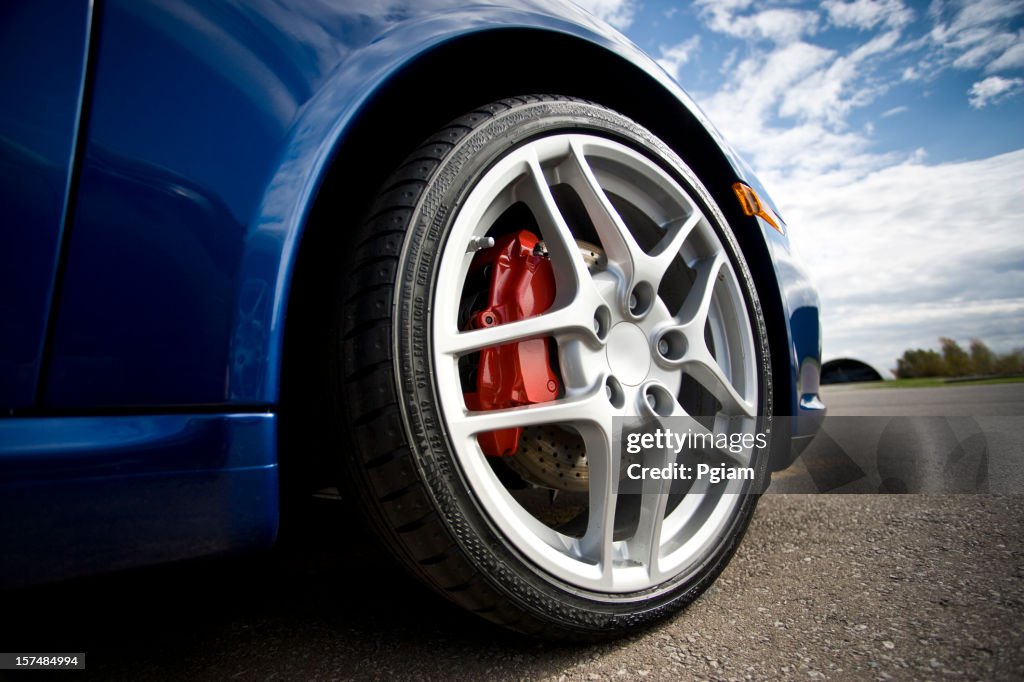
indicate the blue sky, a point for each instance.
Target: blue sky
{"x":890,"y":133}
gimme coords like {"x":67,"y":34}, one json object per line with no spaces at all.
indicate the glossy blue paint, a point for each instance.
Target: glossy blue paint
{"x":801,"y":306}
{"x":85,"y":494}
{"x":41,"y":41}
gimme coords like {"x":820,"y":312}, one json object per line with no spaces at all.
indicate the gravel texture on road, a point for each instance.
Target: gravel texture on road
{"x":823,"y":587}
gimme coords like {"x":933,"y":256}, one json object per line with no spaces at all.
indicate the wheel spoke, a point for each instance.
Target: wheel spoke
{"x":694,"y":313}
{"x":670,"y":420}
{"x":697,"y":361}
{"x":570,"y":320}
{"x":572,"y":279}
{"x":645,"y":545}
{"x":699,"y":364}
{"x":597,"y":543}
{"x":741,"y":458}
{"x":691,"y":503}
{"x":588,"y":408}
{"x":619,"y":246}
{"x":667,"y":249}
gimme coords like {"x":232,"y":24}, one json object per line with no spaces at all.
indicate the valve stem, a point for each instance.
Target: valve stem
{"x":479,"y":244}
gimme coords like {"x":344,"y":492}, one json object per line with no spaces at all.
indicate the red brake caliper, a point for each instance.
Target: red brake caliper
{"x":522,"y":285}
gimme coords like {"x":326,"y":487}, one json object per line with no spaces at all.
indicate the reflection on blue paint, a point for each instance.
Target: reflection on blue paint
{"x":81,"y":494}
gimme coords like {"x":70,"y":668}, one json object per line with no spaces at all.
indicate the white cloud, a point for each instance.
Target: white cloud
{"x":618,"y":13}
{"x":674,"y":57}
{"x":720,"y":14}
{"x":786,"y":108}
{"x":984,"y":50}
{"x":903,"y":250}
{"x":830,"y":93}
{"x":970,"y":34}
{"x":865,"y":14}
{"x":1012,"y":58}
{"x":973,"y":13}
{"x":778,"y":25}
{"x":912,"y":251}
{"x":757,"y":85}
{"x":993,"y":89}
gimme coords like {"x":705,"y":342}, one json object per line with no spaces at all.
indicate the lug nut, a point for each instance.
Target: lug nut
{"x":672,"y":345}
{"x":613,"y":390}
{"x":602,"y":322}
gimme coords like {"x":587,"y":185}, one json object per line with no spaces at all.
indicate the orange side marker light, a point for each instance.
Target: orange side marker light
{"x":753,"y":206}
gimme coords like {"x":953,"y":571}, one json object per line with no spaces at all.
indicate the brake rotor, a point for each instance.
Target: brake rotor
{"x":552,"y":456}
{"x":593,"y":256}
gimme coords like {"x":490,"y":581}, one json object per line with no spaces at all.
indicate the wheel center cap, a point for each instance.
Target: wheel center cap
{"x":629,"y":357}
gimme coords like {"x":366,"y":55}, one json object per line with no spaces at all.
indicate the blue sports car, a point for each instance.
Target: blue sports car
{"x":440,"y":257}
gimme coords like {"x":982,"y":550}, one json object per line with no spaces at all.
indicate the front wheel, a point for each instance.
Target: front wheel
{"x":538,"y":274}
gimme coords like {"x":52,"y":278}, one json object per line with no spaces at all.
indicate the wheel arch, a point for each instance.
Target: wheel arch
{"x":519,"y":62}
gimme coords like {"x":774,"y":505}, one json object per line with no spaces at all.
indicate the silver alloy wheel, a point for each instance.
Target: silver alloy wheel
{"x":628,"y":336}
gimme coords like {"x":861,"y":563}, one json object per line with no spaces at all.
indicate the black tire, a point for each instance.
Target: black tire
{"x":401,"y":467}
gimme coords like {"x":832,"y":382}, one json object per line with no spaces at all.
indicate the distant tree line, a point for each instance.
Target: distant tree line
{"x":954,"y":361}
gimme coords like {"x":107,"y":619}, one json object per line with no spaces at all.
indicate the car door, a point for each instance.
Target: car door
{"x":43,"y":53}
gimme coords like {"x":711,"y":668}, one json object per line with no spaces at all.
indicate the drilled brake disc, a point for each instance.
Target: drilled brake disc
{"x":552,"y":456}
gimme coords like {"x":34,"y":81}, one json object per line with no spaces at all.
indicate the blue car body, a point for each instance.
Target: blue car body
{"x":159,"y":164}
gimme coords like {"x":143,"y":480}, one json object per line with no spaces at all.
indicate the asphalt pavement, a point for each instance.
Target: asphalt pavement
{"x":974,"y":400}
{"x":823,"y":587}
{"x":948,"y":439}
